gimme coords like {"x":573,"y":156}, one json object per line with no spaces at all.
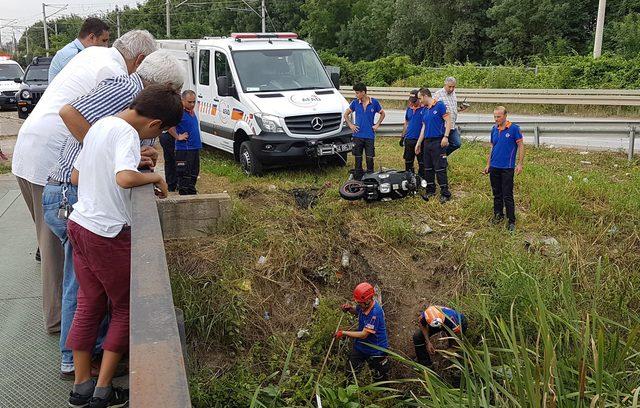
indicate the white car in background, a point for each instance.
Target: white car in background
{"x":9,"y":72}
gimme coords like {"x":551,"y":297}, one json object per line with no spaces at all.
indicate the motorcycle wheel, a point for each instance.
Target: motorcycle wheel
{"x":352,"y":190}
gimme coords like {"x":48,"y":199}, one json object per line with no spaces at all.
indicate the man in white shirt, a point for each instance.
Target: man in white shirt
{"x":41,"y":137}
{"x":448,"y":95}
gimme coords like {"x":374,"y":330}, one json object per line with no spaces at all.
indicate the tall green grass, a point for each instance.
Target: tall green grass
{"x":546,"y":327}
{"x":571,"y":359}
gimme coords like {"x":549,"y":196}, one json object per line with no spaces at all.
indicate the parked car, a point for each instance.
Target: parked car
{"x":9,"y":71}
{"x":32,"y":85}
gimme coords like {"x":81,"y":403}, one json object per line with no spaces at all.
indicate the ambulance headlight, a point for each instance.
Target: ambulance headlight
{"x":269,"y":123}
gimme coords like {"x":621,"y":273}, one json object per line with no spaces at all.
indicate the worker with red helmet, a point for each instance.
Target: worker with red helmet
{"x":431,"y":321}
{"x":371,"y":329}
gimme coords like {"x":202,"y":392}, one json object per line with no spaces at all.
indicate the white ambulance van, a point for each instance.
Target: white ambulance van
{"x":266,"y":98}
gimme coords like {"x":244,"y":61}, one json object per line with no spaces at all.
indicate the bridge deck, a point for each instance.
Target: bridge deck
{"x":29,"y":358}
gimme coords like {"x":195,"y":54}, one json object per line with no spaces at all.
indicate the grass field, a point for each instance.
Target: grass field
{"x":549,"y":324}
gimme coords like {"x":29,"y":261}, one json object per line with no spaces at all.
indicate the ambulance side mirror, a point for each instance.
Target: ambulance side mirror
{"x":223,"y":86}
{"x":335,"y":78}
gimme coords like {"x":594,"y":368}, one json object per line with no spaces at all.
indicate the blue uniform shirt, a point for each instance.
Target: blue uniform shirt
{"x":374,"y":324}
{"x":365,"y":117}
{"x":433,"y":119}
{"x":63,"y":56}
{"x":189,"y":124}
{"x":414,"y":122}
{"x":505,"y":145}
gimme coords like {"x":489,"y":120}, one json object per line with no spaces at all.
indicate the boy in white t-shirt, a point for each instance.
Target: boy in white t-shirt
{"x":99,"y":230}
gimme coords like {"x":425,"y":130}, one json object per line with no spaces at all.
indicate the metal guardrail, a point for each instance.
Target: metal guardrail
{"x":545,"y":129}
{"x":605,"y":97}
{"x":157,"y":375}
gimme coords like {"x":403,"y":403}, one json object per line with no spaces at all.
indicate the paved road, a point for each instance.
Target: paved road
{"x":10,"y":124}
{"x":586,"y":141}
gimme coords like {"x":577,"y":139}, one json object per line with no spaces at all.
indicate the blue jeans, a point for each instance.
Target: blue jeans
{"x":455,"y":141}
{"x":52,"y":197}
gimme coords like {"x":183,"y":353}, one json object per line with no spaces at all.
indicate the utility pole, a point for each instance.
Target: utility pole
{"x":55,"y":25}
{"x":118,"y":20}
{"x":168,"y":19}
{"x":597,"y":45}
{"x":44,"y":27}
{"x":264,"y":21}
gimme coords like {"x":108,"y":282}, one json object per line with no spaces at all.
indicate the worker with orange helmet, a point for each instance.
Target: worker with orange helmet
{"x":371,"y":329}
{"x":431,"y":321}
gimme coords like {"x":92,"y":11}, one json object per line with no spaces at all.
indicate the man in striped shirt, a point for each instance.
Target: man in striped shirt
{"x":448,"y":95}
{"x":111,"y":96}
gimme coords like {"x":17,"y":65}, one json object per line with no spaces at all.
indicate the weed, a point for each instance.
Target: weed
{"x":555,"y":326}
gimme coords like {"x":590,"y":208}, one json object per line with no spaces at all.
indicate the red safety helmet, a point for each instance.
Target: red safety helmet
{"x":363,"y":292}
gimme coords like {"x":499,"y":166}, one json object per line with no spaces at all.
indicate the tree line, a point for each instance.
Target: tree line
{"x":431,"y":33}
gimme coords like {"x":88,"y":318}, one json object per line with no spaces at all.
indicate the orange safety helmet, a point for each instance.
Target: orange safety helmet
{"x":434,"y":316}
{"x":363,"y":292}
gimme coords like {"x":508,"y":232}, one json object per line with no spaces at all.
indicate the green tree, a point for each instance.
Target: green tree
{"x":624,"y":36}
{"x":365,"y":35}
{"x":524,"y":28}
{"x":325,"y":19}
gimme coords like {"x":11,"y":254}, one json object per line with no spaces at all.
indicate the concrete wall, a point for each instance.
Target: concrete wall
{"x":192,"y":216}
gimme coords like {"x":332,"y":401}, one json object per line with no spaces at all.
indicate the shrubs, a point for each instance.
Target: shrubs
{"x":560,"y":73}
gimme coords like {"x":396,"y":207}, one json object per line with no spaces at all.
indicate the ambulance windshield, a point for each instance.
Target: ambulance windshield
{"x":280,"y":70}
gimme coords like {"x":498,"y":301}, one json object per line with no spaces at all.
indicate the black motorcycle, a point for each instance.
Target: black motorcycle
{"x":384,"y":185}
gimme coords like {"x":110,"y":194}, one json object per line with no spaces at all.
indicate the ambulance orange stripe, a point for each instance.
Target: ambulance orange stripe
{"x":236,"y":114}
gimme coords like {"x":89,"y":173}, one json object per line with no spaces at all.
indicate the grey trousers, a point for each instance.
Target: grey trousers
{"x":51,"y":253}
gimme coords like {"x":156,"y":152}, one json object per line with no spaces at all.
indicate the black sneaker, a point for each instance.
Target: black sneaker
{"x":511,"y":227}
{"x":78,"y":400}
{"x":117,"y":398}
{"x":497,"y":219}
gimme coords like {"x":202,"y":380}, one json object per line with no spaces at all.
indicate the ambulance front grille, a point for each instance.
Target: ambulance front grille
{"x":314,"y":124}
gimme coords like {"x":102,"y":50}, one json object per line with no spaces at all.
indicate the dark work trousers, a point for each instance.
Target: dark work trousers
{"x":502,"y":187}
{"x":187,"y":170}
{"x":410,"y":155}
{"x":168,"y":144}
{"x":379,"y":365}
{"x":419,"y":342}
{"x":435,"y":166}
{"x":360,"y":145}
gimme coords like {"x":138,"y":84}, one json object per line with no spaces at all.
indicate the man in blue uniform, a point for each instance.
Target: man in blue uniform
{"x":371,"y":329}
{"x":506,"y":142}
{"x":433,"y":141}
{"x":411,"y":134}
{"x":188,"y":145}
{"x":364,"y":129}
{"x":433,"y":320}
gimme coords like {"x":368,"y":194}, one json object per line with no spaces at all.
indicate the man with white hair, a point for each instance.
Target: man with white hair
{"x":42,"y":135}
{"x":111,"y":96}
{"x":448,"y":95}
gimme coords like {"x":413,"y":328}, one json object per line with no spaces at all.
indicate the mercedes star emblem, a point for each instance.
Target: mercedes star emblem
{"x":316,"y":123}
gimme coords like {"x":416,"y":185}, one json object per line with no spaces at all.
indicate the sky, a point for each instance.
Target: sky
{"x":26,"y":12}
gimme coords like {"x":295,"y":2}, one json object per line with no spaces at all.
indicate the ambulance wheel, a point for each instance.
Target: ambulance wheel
{"x":248,"y":160}
{"x":352,"y":190}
